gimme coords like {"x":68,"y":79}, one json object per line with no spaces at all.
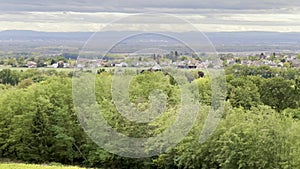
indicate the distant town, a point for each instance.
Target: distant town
{"x":173,"y":59}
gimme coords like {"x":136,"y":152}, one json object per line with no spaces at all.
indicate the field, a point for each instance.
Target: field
{"x":24,"y":68}
{"x":30,"y":166}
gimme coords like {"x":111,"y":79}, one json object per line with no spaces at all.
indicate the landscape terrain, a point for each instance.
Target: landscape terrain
{"x":150,"y":84}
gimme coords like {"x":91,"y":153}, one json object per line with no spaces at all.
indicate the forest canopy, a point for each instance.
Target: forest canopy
{"x":259,"y":127}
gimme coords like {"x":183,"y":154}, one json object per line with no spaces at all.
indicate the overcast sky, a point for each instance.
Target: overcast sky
{"x":205,"y":15}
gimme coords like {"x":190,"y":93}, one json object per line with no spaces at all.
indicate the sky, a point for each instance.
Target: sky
{"x":204,"y":15}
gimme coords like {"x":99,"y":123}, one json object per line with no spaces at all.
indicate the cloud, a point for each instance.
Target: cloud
{"x":141,"y":6}
{"x":209,"y":15}
{"x":92,"y":22}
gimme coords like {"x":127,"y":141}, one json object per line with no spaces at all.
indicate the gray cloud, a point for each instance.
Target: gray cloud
{"x":209,"y":15}
{"x":142,"y":5}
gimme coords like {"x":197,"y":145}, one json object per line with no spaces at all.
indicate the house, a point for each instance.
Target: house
{"x":123,"y":64}
{"x":156,"y":68}
{"x":59,"y":64}
{"x":31,"y":64}
{"x":102,"y":63}
{"x":192,"y":64}
{"x":272,"y":64}
{"x":182,"y":64}
{"x":230,"y":62}
{"x":280,"y":64}
{"x":66,"y":65}
{"x":55,"y":65}
{"x":257,"y":63}
{"x":296,"y":63}
{"x":79,"y":65}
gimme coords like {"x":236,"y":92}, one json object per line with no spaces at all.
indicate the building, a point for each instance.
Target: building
{"x":31,"y":64}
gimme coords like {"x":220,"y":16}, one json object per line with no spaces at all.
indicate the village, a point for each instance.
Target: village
{"x":190,"y":62}
{"x":173,"y":59}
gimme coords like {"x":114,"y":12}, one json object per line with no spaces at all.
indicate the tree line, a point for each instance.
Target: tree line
{"x":258,"y":129}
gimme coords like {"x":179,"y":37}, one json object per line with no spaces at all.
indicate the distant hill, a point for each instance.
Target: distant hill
{"x":216,"y":37}
{"x":33,"y":35}
{"x":254,"y":37}
{"x":224,"y":41}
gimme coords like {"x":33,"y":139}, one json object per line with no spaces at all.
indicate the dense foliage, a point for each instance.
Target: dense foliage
{"x":30,"y":166}
{"x":259,"y":129}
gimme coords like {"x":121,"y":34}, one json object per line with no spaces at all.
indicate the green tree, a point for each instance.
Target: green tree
{"x":8,"y":76}
{"x":257,"y":138}
{"x":204,"y":87}
{"x":243,"y":93}
{"x":279,"y":93}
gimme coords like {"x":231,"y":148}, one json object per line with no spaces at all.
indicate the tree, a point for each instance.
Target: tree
{"x":8,"y":76}
{"x":21,"y":61}
{"x":25,"y":83}
{"x":176,"y":54}
{"x":279,"y":93}
{"x":204,"y":87}
{"x":257,"y":138}
{"x":60,"y":64}
{"x":243,"y":93}
{"x":12,"y":61}
{"x":39,"y":124}
{"x":52,"y":62}
{"x":287,"y":64}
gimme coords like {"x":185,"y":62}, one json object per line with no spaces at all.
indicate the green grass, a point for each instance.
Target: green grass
{"x":31,"y":166}
{"x":42,"y":68}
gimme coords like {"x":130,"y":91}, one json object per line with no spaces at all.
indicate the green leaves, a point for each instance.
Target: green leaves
{"x":243,"y":93}
{"x":279,"y":93}
{"x":10,"y":77}
{"x":257,"y":138}
{"x":259,"y":129}
{"x":39,"y":122}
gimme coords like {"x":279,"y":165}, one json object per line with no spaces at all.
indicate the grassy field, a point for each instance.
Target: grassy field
{"x":24,"y":68}
{"x":31,"y":166}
